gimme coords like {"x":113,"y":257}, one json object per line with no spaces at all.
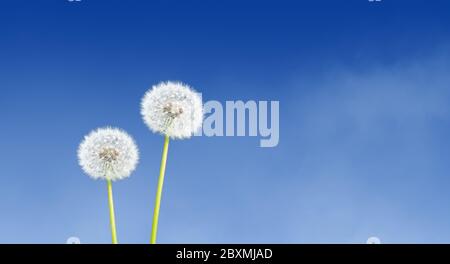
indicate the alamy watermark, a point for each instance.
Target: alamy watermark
{"x":373,"y":240}
{"x":73,"y":240}
{"x":239,"y":118}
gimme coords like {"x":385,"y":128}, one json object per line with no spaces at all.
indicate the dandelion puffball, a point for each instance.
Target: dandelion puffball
{"x":108,"y":153}
{"x":173,"y":109}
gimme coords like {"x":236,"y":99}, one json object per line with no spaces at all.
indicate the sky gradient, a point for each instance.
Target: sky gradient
{"x":364,"y":92}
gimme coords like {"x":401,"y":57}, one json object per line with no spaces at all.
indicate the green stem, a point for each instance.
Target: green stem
{"x":112,"y":218}
{"x":162,"y":171}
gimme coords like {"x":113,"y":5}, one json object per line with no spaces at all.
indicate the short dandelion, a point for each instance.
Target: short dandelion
{"x":174,"y":110}
{"x":109,"y":154}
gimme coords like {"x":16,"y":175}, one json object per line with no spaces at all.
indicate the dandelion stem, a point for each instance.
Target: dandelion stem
{"x":159,"y":190}
{"x":112,"y":217}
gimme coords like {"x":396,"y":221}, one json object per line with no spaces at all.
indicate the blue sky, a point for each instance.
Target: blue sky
{"x":364,"y":119}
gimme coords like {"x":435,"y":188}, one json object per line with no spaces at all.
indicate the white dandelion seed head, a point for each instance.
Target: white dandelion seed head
{"x":108,"y":153}
{"x":173,"y":109}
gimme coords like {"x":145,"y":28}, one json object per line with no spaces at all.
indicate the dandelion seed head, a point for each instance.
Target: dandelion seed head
{"x":108,"y":153}
{"x":173,"y":109}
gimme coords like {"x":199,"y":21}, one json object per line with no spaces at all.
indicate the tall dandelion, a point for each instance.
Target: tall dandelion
{"x":109,"y":154}
{"x":174,"y":110}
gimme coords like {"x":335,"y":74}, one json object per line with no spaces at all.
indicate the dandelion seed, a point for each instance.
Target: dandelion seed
{"x":172,"y":109}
